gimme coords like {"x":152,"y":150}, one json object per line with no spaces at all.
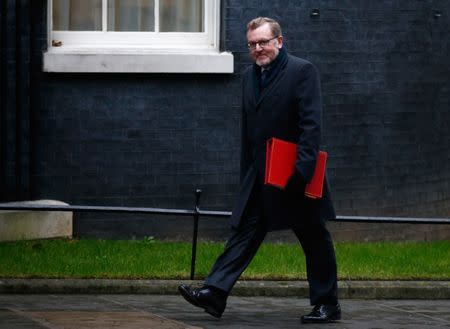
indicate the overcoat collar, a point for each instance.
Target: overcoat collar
{"x":277,"y":71}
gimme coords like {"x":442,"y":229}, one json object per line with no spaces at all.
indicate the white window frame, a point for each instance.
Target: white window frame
{"x":134,"y":52}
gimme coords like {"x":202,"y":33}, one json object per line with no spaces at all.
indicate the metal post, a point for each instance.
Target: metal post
{"x":198,"y":193}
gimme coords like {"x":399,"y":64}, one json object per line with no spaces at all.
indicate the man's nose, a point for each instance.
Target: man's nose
{"x":258,"y":47}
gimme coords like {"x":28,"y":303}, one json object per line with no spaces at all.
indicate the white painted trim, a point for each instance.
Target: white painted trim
{"x":138,"y":61}
{"x":134,"y":52}
{"x":49,"y":23}
{"x":104,"y":15}
{"x":133,"y":39}
{"x":156,"y":11}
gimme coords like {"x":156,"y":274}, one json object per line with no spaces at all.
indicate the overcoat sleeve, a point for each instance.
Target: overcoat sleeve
{"x":310,"y":118}
{"x":246,"y":158}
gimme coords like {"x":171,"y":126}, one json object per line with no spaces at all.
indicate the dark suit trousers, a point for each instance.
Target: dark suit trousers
{"x":246,"y":239}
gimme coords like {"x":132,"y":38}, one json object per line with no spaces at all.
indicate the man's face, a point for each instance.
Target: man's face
{"x":264,"y":55}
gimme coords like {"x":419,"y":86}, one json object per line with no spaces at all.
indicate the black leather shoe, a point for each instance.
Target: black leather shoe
{"x":323,"y":313}
{"x":213,"y":301}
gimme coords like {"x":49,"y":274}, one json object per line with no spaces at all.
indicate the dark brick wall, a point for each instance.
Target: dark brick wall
{"x":15,"y":104}
{"x":151,"y":139}
{"x":385,"y":75}
{"x":138,"y":139}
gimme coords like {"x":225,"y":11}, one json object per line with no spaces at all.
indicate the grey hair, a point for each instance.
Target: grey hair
{"x":259,"y":21}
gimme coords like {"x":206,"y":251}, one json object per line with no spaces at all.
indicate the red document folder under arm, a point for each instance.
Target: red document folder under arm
{"x":280,"y":164}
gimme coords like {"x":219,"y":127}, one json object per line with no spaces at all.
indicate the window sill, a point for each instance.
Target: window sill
{"x":112,"y":60}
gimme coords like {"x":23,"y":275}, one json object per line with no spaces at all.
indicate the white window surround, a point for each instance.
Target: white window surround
{"x":140,"y":52}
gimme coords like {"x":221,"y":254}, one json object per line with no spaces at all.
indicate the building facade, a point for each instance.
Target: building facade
{"x":143,"y":119}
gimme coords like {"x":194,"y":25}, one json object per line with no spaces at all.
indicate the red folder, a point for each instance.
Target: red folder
{"x":280,"y":164}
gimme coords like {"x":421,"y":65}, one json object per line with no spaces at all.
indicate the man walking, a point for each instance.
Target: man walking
{"x":282,"y":99}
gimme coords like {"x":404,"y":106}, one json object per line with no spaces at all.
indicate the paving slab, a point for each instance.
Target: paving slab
{"x":102,"y":319}
{"x":20,"y":311}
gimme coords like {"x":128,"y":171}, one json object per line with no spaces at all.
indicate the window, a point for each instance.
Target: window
{"x":135,"y":36}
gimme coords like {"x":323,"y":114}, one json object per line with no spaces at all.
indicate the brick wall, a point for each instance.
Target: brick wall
{"x":385,"y":78}
{"x":151,"y":139}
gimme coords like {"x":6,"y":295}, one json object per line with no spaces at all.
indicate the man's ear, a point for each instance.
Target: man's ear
{"x":280,"y":42}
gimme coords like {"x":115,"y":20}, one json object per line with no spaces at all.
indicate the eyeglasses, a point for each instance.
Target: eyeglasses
{"x":261,"y":43}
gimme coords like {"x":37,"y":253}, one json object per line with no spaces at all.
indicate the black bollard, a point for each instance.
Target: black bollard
{"x":198,"y":193}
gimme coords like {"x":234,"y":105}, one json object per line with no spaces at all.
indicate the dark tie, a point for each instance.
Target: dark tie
{"x":264,"y":76}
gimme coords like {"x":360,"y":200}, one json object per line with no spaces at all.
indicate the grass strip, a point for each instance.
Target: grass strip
{"x":151,"y":259}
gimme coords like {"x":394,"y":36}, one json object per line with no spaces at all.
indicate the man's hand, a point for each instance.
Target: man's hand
{"x":296,"y":184}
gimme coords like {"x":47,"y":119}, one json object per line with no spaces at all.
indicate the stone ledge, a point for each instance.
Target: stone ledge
{"x":28,"y":225}
{"x":116,"y":61}
{"x":347,"y":289}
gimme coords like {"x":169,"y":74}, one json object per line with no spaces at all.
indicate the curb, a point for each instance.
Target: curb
{"x":346,"y":290}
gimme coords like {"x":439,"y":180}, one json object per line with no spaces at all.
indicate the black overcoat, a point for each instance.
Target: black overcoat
{"x":289,"y":108}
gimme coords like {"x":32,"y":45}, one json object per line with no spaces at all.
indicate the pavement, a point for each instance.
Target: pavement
{"x":130,"y":304}
{"x":50,"y":311}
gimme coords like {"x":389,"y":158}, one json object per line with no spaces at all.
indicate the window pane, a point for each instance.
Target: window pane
{"x":131,"y":15}
{"x":181,"y":16}
{"x":77,"y":15}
